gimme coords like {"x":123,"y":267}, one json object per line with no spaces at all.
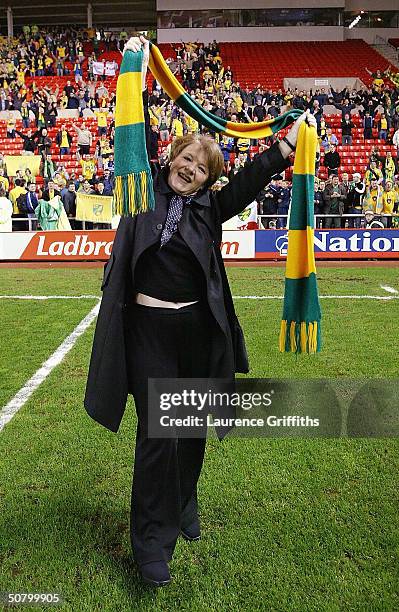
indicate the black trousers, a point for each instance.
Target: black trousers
{"x":164,"y":343}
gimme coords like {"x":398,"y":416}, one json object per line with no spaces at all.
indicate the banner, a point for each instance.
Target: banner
{"x":94,"y":208}
{"x":110,"y":68}
{"x":96,"y":245}
{"x":98,"y":68}
{"x":22,"y":162}
{"x":247,"y":219}
{"x":333,"y":244}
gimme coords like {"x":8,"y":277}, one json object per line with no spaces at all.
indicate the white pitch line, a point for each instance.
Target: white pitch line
{"x":7,"y":413}
{"x":389,"y":289}
{"x":49,"y":297}
{"x":322,"y":297}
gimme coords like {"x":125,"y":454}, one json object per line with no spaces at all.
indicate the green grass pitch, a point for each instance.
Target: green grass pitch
{"x":288,"y":524}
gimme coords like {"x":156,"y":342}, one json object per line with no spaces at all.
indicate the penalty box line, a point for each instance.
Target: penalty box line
{"x":10,"y":409}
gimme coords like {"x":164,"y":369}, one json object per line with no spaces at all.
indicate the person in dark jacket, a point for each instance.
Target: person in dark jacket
{"x":30,"y":141}
{"x":355,"y":199}
{"x":347,"y":127}
{"x":69,"y":202}
{"x":332,"y":161}
{"x":167,"y":312}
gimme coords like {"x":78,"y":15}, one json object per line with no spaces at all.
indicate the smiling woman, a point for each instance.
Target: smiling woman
{"x":167,"y":312}
{"x":194,"y":161}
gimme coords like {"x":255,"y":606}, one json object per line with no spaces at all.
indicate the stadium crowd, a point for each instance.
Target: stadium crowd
{"x":77,"y":153}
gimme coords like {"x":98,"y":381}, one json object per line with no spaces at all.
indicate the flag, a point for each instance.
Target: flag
{"x":22,"y":162}
{"x":94,"y":208}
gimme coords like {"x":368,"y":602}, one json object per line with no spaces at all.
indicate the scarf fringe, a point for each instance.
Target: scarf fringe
{"x":133,"y":194}
{"x":300,"y":337}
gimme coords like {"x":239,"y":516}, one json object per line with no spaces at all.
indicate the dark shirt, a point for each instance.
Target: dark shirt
{"x":171,"y":273}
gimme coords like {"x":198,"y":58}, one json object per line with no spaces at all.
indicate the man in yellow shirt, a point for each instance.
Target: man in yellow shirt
{"x":383,"y":132}
{"x":14,"y":195}
{"x":102,"y":121}
{"x":389,"y":203}
{"x":88,"y":167}
{"x":177,"y":127}
{"x":373,"y":198}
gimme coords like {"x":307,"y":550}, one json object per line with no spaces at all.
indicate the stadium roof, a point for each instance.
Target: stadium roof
{"x":137,"y":14}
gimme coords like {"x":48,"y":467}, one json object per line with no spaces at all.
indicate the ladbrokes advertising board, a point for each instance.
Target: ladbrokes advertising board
{"x":246,"y":245}
{"x":96,"y":245}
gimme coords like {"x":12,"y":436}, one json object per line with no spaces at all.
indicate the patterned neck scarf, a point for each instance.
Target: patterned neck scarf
{"x":174,"y":215}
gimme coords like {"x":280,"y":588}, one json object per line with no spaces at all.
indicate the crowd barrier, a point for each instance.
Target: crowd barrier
{"x":265,"y":244}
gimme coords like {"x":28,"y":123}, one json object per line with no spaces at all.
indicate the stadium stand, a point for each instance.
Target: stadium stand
{"x":242,"y":65}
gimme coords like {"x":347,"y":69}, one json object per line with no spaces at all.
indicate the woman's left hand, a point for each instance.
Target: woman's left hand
{"x":292,"y":135}
{"x":138,"y":43}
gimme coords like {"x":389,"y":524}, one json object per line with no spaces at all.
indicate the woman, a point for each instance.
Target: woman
{"x":167,"y":312}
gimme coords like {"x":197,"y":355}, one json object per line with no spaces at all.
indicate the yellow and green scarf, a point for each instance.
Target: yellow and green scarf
{"x":300,"y":325}
{"x":300,"y":328}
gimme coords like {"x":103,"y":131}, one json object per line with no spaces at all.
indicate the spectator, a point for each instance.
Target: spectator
{"x":383,"y":127}
{"x":51,"y":191}
{"x":109,"y":182}
{"x":395,"y":141}
{"x":334,"y":195}
{"x":25,"y":114}
{"x":283,"y":203}
{"x":14,"y":195}
{"x":101,"y":121}
{"x":4,"y":180}
{"x":389,"y":203}
{"x":86,"y":188}
{"x":367,"y":126}
{"x":44,"y":143}
{"x":47,"y":168}
{"x":10,"y":131}
{"x":69,"y":202}
{"x":373,"y":198}
{"x":373,"y":173}
{"x":329,"y":140}
{"x":28,"y":205}
{"x":389,"y":167}
{"x":5,"y":211}
{"x":30,"y":141}
{"x":332,"y":161}
{"x":318,"y":200}
{"x":347,"y":127}
{"x":355,"y":199}
{"x":64,"y":141}
{"x":84,"y":139}
{"x":88,"y":167}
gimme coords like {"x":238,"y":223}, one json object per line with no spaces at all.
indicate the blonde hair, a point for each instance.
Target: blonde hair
{"x":213,"y":154}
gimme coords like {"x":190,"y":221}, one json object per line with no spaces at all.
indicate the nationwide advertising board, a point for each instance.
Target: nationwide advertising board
{"x":236,"y":244}
{"x":333,"y":244}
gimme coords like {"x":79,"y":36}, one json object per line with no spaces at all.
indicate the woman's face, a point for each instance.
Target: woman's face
{"x":189,"y":170}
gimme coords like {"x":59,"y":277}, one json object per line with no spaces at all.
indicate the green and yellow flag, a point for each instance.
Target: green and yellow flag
{"x":95,"y":208}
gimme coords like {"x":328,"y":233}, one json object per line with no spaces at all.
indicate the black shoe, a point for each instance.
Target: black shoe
{"x":192,"y":533}
{"x":155,"y":573}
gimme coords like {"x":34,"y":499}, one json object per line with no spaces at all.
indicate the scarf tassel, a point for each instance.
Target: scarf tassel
{"x":133,"y":194}
{"x":300,"y":337}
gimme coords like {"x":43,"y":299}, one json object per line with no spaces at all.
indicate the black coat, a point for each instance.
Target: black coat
{"x":201,"y":227}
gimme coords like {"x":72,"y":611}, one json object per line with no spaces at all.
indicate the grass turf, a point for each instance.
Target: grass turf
{"x":287,"y":524}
